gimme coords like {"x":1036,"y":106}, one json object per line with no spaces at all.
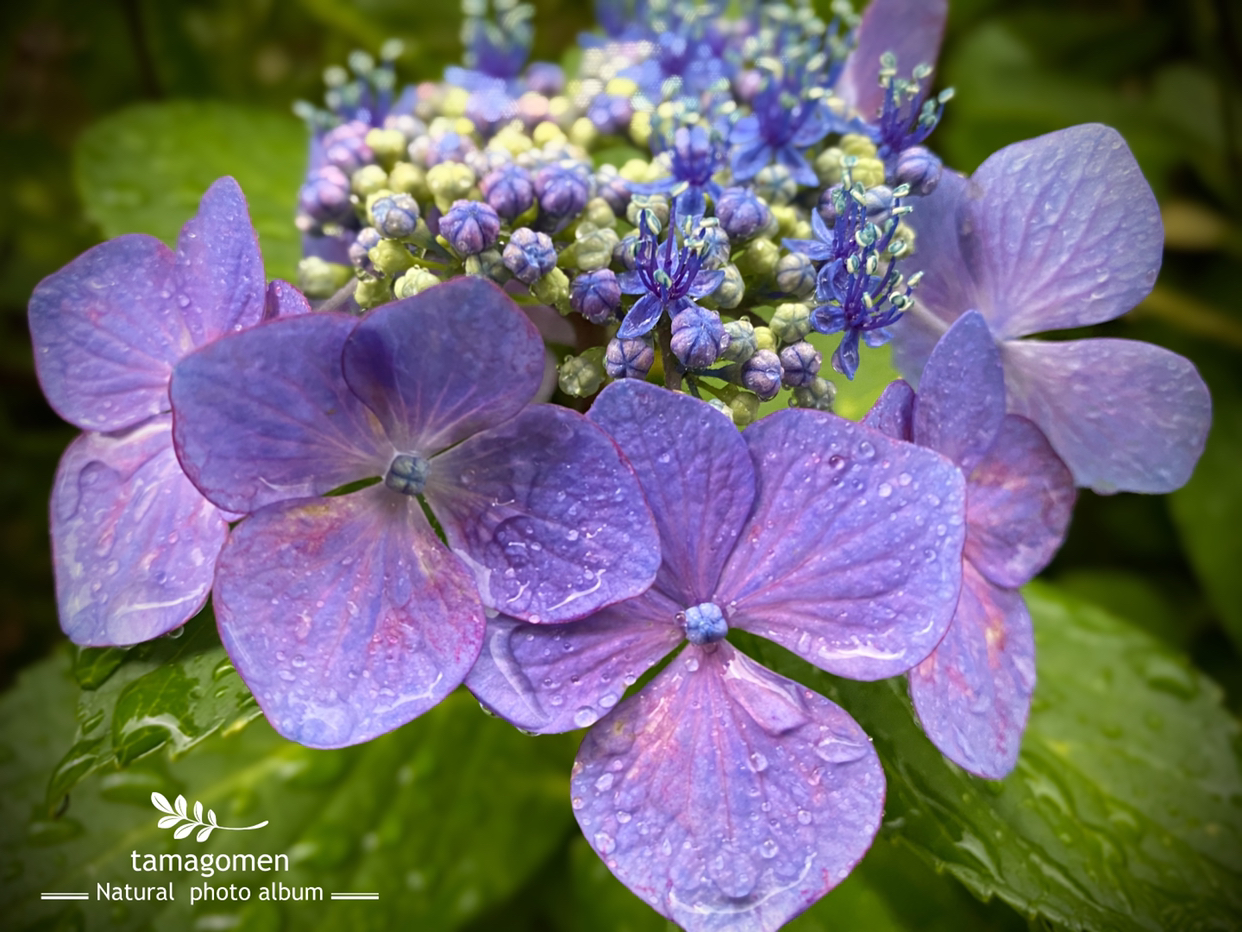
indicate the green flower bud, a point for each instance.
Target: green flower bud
{"x":547,"y":132}
{"x":759,"y":258}
{"x":390,"y":257}
{"x":595,"y":246}
{"x":582,"y":376}
{"x":786,"y":217}
{"x":414,"y":281}
{"x":553,"y":289}
{"x":791,"y":322}
{"x":639,"y":171}
{"x":656,"y":203}
{"x":859,"y":145}
{"x":828,"y":166}
{"x":408,"y":178}
{"x":744,"y":406}
{"x":868,"y":172}
{"x":817,"y":396}
{"x":372,"y":292}
{"x":640,"y":129}
{"x":599,"y":213}
{"x":742,"y":341}
{"x":731,"y":290}
{"x":387,"y":144}
{"x":368,"y":179}
{"x":512,"y":139}
{"x":448,"y":182}
{"x":721,"y":406}
{"x":583,"y":133}
{"x":765,"y":339}
{"x":320,"y":279}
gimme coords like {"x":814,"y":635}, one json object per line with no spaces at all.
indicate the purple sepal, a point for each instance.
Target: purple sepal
{"x":695,"y":472}
{"x":283,"y":300}
{"x":416,"y":363}
{"x":134,"y":543}
{"x":893,"y":412}
{"x":345,"y":616}
{"x":974,"y":693}
{"x":265,"y":415}
{"x":852,"y":553}
{"x":961,"y":400}
{"x":725,"y":796}
{"x":548,"y":515}
{"x":106,"y":333}
{"x":1019,"y":500}
{"x":642,"y":317}
{"x":912,"y":29}
{"x":1123,"y":415}
{"x":555,"y":678}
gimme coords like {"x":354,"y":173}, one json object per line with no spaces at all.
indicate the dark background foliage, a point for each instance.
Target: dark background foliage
{"x":1167,"y":75}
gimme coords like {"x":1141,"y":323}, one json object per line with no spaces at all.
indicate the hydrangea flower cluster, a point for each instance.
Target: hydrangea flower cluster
{"x":372,"y":485}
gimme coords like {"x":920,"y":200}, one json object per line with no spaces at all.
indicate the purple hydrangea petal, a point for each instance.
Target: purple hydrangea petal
{"x":961,"y":400}
{"x":852,"y":554}
{"x":1125,"y":416}
{"x":548,"y":514}
{"x":939,"y":221}
{"x":915,"y":335}
{"x":893,"y":412}
{"x":749,"y":160}
{"x":912,"y":29}
{"x":106,"y":334}
{"x":345,"y":616}
{"x":219,"y":280}
{"x":642,"y":317}
{"x":283,"y":300}
{"x":134,"y":543}
{"x":1066,"y":232}
{"x":450,"y":361}
{"x":1018,"y":504}
{"x":973,"y":694}
{"x":695,"y":472}
{"x":725,"y":796}
{"x":555,"y":678}
{"x":265,"y":415}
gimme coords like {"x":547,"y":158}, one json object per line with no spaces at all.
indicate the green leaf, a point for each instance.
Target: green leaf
{"x":441,"y":818}
{"x":144,"y":169}
{"x":172,"y":692}
{"x":1125,"y":809}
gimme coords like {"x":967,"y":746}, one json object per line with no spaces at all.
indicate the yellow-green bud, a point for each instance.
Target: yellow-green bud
{"x":368,"y":179}
{"x":387,"y":144}
{"x":802,"y":230}
{"x":455,"y":101}
{"x":621,"y":87}
{"x":582,"y":376}
{"x":744,"y":406}
{"x":390,"y":257}
{"x":742,"y":342}
{"x":635,"y":170}
{"x":791,"y":322}
{"x":656,"y":203}
{"x":547,"y":132}
{"x":408,"y":178}
{"x":512,"y":139}
{"x":372,"y":292}
{"x":321,"y":279}
{"x":559,"y":108}
{"x":553,"y":289}
{"x":448,"y":182}
{"x":765,"y":339}
{"x":583,"y":133}
{"x":414,"y":281}
{"x":759,"y":258}
{"x":868,"y":172}
{"x":818,"y":395}
{"x":828,"y":168}
{"x":859,"y":145}
{"x":786,"y":217}
{"x":599,"y":213}
{"x":595,"y":246}
{"x":640,"y":128}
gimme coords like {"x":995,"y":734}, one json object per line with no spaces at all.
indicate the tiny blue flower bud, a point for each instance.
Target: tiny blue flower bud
{"x":529,"y":255}
{"x":879,"y":203}
{"x":324,"y":196}
{"x":716,"y":248}
{"x":629,"y":359}
{"x":613,"y":188}
{"x":395,"y":216}
{"x":761,"y":374}
{"x":828,"y":204}
{"x":345,"y":146}
{"x":795,"y":275}
{"x":610,"y":113}
{"x":626,"y":251}
{"x":407,"y":474}
{"x":920,"y":168}
{"x":705,"y":624}
{"x":741,"y":213}
{"x":366,"y":240}
{"x":470,"y":227}
{"x":698,"y":337}
{"x":800,"y":362}
{"x":563,"y":190}
{"x":509,"y":190}
{"x":596,"y":295}
{"x":545,"y":78}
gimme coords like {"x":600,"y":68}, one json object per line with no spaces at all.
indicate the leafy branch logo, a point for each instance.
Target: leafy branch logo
{"x":178,"y":812}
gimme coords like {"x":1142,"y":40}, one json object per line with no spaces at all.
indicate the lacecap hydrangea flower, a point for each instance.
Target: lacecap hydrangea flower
{"x":724,"y":795}
{"x":344,"y":613}
{"x":134,"y":544}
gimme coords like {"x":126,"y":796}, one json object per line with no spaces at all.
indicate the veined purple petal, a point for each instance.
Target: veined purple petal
{"x":631,"y":283}
{"x":106,"y":333}
{"x":283,"y":300}
{"x":265,"y":415}
{"x":1124,"y":416}
{"x":798,"y":166}
{"x":1066,"y":232}
{"x":134,"y":543}
{"x":1018,"y":504}
{"x":555,"y":678}
{"x":852,"y":554}
{"x":705,"y":282}
{"x":940,"y":221}
{"x":642,"y":317}
{"x":912,"y":29}
{"x":816,"y":126}
{"x":725,"y":796}
{"x":750,"y":158}
{"x":893,"y":412}
{"x":915,"y":334}
{"x":447,"y":363}
{"x":548,"y":515}
{"x":695,"y":472}
{"x":219,"y":280}
{"x":973,"y":693}
{"x":345,"y":616}
{"x":961,"y":400}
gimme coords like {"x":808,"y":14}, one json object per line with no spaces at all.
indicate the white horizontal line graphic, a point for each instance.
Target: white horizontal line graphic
{"x":64,"y":896}
{"x":355,"y":896}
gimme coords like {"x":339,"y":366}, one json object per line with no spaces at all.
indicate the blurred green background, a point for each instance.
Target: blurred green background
{"x":82,"y":154}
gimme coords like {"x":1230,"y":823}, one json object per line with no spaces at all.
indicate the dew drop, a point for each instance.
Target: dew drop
{"x":585,"y":717}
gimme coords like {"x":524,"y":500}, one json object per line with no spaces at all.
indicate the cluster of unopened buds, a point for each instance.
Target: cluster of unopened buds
{"x":365,"y":474}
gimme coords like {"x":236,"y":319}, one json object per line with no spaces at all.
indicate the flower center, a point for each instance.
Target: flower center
{"x":407,"y":474}
{"x":705,"y":624}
